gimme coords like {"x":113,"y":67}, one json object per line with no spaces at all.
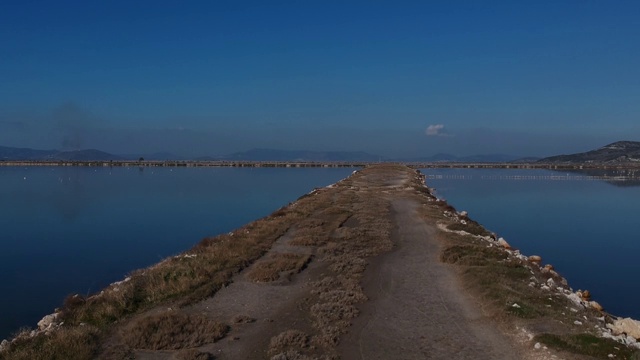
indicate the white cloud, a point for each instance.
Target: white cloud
{"x":436,"y":130}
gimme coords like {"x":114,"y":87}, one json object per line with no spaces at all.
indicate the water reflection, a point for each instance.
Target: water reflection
{"x":616,"y":177}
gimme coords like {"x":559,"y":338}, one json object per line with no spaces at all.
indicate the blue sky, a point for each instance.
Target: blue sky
{"x":391,"y":78}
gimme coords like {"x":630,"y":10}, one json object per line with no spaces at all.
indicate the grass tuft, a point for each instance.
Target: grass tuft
{"x":172,"y":330}
{"x":471,"y":227}
{"x":288,"y":340}
{"x":472,"y":255}
{"x":64,"y":344}
{"x":277,"y":265}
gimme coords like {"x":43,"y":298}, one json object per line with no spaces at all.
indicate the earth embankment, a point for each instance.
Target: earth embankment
{"x":372,"y":267}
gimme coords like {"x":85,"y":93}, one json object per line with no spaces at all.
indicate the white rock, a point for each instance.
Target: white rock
{"x":463,"y":213}
{"x":577,"y":322}
{"x":515,"y":305}
{"x":47,"y":321}
{"x":537,"y":346}
{"x":627,"y":326}
{"x":3,"y":345}
{"x":502,"y":242}
{"x":551,"y":283}
{"x":575,"y":298}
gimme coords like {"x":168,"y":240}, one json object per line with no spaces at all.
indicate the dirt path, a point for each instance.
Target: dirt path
{"x":416,"y":309}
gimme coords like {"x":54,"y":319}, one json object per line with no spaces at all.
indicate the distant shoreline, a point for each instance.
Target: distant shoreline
{"x":320,"y":164}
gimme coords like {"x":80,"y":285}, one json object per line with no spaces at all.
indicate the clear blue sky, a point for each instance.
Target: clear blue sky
{"x":391,"y":78}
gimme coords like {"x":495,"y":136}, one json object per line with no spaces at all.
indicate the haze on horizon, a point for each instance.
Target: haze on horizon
{"x":395,"y":79}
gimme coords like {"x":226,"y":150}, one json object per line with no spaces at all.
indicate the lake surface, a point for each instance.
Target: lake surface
{"x":71,"y":230}
{"x":588,"y":229}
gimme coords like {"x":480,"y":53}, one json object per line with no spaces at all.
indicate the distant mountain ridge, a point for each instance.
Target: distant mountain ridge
{"x":616,"y":153}
{"x":11,"y":153}
{"x":486,"y":158}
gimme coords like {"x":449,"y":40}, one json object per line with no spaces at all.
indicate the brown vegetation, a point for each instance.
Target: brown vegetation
{"x":172,"y":330}
{"x":277,"y":265}
{"x":67,"y":343}
{"x":287,"y":341}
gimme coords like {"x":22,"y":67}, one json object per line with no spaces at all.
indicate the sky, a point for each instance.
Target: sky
{"x":393,"y":78}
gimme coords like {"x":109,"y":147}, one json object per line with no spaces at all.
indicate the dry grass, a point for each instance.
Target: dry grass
{"x":502,"y":281}
{"x":287,"y":341}
{"x":277,"y":265}
{"x":355,"y":235}
{"x":471,"y":227}
{"x":316,"y":230}
{"x":67,"y":343}
{"x":192,"y":276}
{"x":242,"y":319}
{"x":172,"y":330}
{"x":472,"y":255}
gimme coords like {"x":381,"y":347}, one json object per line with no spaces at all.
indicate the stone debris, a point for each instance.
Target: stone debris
{"x":535,"y":258}
{"x":48,"y":322}
{"x":626,"y":326}
{"x":622,"y":338}
{"x":551,"y":284}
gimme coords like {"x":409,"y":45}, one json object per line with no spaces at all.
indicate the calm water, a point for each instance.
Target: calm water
{"x":75,"y":230}
{"x":588,"y":229}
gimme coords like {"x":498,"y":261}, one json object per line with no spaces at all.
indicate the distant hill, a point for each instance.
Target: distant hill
{"x":157,"y":156}
{"x":11,"y":153}
{"x":293,"y":155}
{"x":488,"y":158}
{"x":85,"y":155}
{"x":617,"y":152}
